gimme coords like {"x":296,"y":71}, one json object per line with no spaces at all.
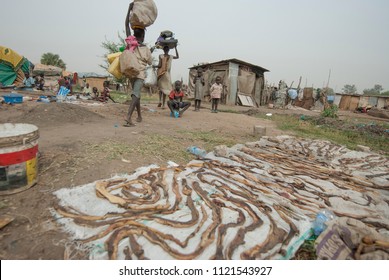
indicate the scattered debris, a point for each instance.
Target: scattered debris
{"x":5,"y":221}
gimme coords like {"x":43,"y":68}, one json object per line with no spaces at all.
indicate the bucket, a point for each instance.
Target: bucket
{"x":18,"y":157}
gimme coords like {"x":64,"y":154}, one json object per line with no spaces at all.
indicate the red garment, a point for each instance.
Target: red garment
{"x":176,"y":95}
{"x":75,"y":78}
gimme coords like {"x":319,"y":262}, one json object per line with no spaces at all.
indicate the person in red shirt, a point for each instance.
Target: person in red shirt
{"x":175,"y":102}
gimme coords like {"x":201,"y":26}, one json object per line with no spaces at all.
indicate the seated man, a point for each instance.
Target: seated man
{"x":175,"y":102}
{"x":87,"y":90}
{"x":41,"y":82}
{"x":28,"y":81}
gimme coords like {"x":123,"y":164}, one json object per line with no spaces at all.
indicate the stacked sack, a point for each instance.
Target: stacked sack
{"x":143,"y":14}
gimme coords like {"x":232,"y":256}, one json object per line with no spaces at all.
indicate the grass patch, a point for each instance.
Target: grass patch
{"x":146,"y":98}
{"x":347,"y":133}
{"x":111,"y":149}
{"x":161,"y":147}
{"x":158,"y":146}
{"x":119,"y":96}
{"x":122,"y":97}
{"x":206,"y":139}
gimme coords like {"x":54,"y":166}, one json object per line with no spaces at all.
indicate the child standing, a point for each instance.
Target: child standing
{"x":199,"y":84}
{"x":216,"y":93}
{"x":164,"y":78}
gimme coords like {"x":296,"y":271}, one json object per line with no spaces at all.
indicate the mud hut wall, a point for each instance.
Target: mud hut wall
{"x":345,"y":102}
{"x":354,"y":103}
{"x":363,"y":101}
{"x":192,"y":74}
{"x":307,"y":101}
{"x":246,"y":81}
{"x":383,"y":102}
{"x":223,"y":74}
{"x":210,"y":74}
{"x":236,"y":78}
{"x":93,"y":82}
{"x":261,"y":96}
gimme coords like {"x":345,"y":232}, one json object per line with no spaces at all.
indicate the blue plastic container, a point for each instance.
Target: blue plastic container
{"x":13,"y":98}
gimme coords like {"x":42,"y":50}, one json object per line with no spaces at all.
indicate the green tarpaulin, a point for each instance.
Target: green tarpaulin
{"x":10,"y":64}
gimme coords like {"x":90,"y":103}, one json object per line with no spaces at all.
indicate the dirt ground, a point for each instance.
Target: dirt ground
{"x":66,"y":132}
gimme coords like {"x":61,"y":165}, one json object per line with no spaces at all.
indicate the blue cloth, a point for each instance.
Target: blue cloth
{"x":29,"y":82}
{"x":292,"y":93}
{"x":63,"y":91}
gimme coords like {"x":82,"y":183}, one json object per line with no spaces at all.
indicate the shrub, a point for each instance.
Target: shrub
{"x":331,"y":112}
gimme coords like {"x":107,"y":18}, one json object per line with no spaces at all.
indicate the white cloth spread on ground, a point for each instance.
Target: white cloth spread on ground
{"x":252,"y":201}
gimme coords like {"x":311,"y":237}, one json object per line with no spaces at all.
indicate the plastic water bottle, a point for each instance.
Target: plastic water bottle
{"x":321,"y":218}
{"x":200,"y":153}
{"x":175,"y":114}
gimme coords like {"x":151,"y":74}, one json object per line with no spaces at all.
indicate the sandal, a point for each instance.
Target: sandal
{"x":129,"y":124}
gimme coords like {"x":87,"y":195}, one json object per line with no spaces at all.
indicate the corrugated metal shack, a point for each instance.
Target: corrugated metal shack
{"x":244,"y":83}
{"x":352,"y":102}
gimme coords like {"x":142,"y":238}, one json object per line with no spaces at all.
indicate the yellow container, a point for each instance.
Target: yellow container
{"x":111,"y":57}
{"x":114,"y":68}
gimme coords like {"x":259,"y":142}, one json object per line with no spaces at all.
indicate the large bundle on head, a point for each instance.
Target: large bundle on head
{"x":166,"y":39}
{"x":143,"y":14}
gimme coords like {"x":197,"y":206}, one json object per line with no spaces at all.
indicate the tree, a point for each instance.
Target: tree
{"x":376,"y":90}
{"x":386,"y":93}
{"x":349,"y":89}
{"x":53,"y":59}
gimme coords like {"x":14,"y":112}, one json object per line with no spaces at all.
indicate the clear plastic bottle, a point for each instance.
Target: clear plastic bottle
{"x":321,"y":218}
{"x":200,"y":153}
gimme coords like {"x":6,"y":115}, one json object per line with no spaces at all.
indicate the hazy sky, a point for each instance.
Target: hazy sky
{"x":305,"y":38}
